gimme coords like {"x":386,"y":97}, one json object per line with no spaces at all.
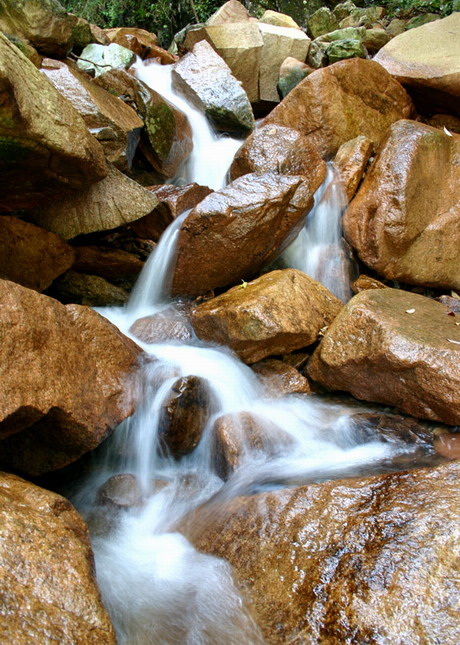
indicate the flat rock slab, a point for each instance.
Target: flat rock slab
{"x":394,"y":347}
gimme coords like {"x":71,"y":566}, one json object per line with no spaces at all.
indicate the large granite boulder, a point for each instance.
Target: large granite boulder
{"x":234,"y":232}
{"x":394,"y":347}
{"x":98,"y":59}
{"x":44,"y":23}
{"x":404,"y":221}
{"x":47,"y":586}
{"x":112,"y":202}
{"x":45,"y":147}
{"x":66,"y":374}
{"x":207,"y":81}
{"x":427,"y":61}
{"x":232,"y":11}
{"x":340,"y":102}
{"x":370,"y":560}
{"x":271,"y":17}
{"x":89,"y":290}
{"x":139,"y":41}
{"x":31,"y":256}
{"x":279,"y":312}
{"x":108,"y":118}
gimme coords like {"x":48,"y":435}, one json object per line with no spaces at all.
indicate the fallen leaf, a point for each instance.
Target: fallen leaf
{"x":323,"y":330}
{"x":456,"y":342}
{"x":448,"y":132}
{"x":454,"y":294}
{"x":243,"y":285}
{"x":457,"y":324}
{"x":410,"y":311}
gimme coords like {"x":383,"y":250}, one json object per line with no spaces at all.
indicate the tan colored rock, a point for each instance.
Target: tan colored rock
{"x":114,"y":124}
{"x":375,"y":39}
{"x":67,"y":379}
{"x":452,"y":123}
{"x":355,"y":560}
{"x":351,"y":159}
{"x":394,"y":347}
{"x":364,"y":282}
{"x":404,"y":221}
{"x":112,"y":202}
{"x":427,"y":60}
{"x":166,"y":325}
{"x":279,"y":312}
{"x":89,"y":290}
{"x":26,"y":48}
{"x":173,"y":200}
{"x":30,"y":255}
{"x":278,"y":19}
{"x":230,"y":12}
{"x":397,"y":26}
{"x":120,"y":492}
{"x":109,"y":263}
{"x":45,"y":146}
{"x":236,"y":231}
{"x":279,"y":43}
{"x":282,"y":150}
{"x":137,"y":40}
{"x":279,"y":378}
{"x":48,"y":589}
{"x":44,"y":23}
{"x":335,"y":104}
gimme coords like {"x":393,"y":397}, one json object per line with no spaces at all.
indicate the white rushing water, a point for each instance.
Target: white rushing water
{"x":158,"y":589}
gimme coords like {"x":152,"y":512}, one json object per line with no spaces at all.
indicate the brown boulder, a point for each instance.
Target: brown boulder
{"x":351,"y":159}
{"x":234,"y":232}
{"x":89,"y":290}
{"x":394,"y":347}
{"x":140,"y":41}
{"x":120,"y":492}
{"x":174,"y":200}
{"x":108,"y":263}
{"x":364,"y":282}
{"x":169,"y":324}
{"x":404,"y":221}
{"x":351,"y":561}
{"x":45,"y":147}
{"x":282,"y":150}
{"x":275,"y":314}
{"x":30,"y":255}
{"x":335,"y":104}
{"x":48,"y":590}
{"x":279,"y":378}
{"x":65,"y":374}
{"x":230,"y":12}
{"x":112,"y":202}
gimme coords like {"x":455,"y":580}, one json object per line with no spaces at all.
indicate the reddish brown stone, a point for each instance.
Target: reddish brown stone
{"x":109,"y":263}
{"x":140,"y":41}
{"x":161,"y":327}
{"x":279,"y":378}
{"x":364,"y":282}
{"x":351,"y":159}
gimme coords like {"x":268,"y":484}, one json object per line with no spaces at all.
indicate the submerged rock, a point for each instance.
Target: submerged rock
{"x":234,"y":232}
{"x":47,"y":583}
{"x":404,"y":221}
{"x":120,"y":492}
{"x":394,"y":347}
{"x":357,"y":560}
{"x":275,"y":314}
{"x":67,"y":377}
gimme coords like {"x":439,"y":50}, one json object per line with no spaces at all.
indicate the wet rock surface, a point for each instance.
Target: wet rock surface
{"x":47,"y":586}
{"x":89,"y":290}
{"x":275,"y":314}
{"x":356,"y":560}
{"x":278,"y":378}
{"x":109,"y":263}
{"x":404,"y":220}
{"x":351,"y":159}
{"x":395,"y":347}
{"x":167,"y":325}
{"x":120,"y":492}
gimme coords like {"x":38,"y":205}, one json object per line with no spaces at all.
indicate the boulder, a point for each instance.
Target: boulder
{"x":89,"y":290}
{"x":282,"y":150}
{"x":106,"y":262}
{"x":397,"y":26}
{"x":120,"y":493}
{"x":108,"y":118}
{"x":81,"y":32}
{"x":394,"y":347}
{"x":317,"y":56}
{"x":448,"y":121}
{"x":278,"y":378}
{"x":343,"y":9}
{"x":270,"y":17}
{"x":322,"y":22}
{"x":279,"y":312}
{"x":58,"y":404}
{"x":48,"y":589}
{"x":236,"y":231}
{"x":30,"y":255}
{"x":165,"y":326}
{"x":344,"y":49}
{"x":173,"y":200}
{"x":406,"y":210}
{"x":44,"y":23}
{"x":98,"y":59}
{"x":349,"y":33}
{"x":207,"y":81}
{"x":427,"y":61}
{"x":351,"y":159}
{"x":45,"y":147}
{"x":350,"y":98}
{"x":26,"y":48}
{"x":139,"y":41}
{"x":292,"y":71}
{"x":364,"y":282}
{"x":375,"y":39}
{"x":357,"y":560}
{"x":363,"y":17}
{"x":230,"y":12}
{"x":279,"y":43}
{"x":112,"y":202}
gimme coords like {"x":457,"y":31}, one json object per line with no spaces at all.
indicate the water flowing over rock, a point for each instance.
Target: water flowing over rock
{"x":166,"y":325}
{"x":44,"y":23}
{"x":282,"y":150}
{"x":357,"y":560}
{"x":404,"y":221}
{"x":31,"y":256}
{"x":114,"y":124}
{"x":350,"y":98}
{"x":351,"y":159}
{"x":45,"y":146}
{"x":275,"y":314}
{"x":48,"y":591}
{"x":394,"y":347}
{"x":112,"y":202}
{"x":427,"y":60}
{"x":279,"y":378}
{"x":206,"y":80}
{"x":57,"y":405}
{"x":234,"y":232}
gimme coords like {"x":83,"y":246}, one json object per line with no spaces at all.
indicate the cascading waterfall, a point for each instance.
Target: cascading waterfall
{"x":156,"y":586}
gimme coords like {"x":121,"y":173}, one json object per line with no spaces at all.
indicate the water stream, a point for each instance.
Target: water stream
{"x":157,"y":587}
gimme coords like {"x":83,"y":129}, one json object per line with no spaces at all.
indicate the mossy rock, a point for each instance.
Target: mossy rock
{"x":343,"y":49}
{"x":161,"y":128}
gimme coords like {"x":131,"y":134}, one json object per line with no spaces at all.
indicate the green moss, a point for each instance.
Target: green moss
{"x":12,"y":151}
{"x":161,"y":128}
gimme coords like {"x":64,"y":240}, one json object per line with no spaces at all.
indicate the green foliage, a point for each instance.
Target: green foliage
{"x":409,"y":8}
